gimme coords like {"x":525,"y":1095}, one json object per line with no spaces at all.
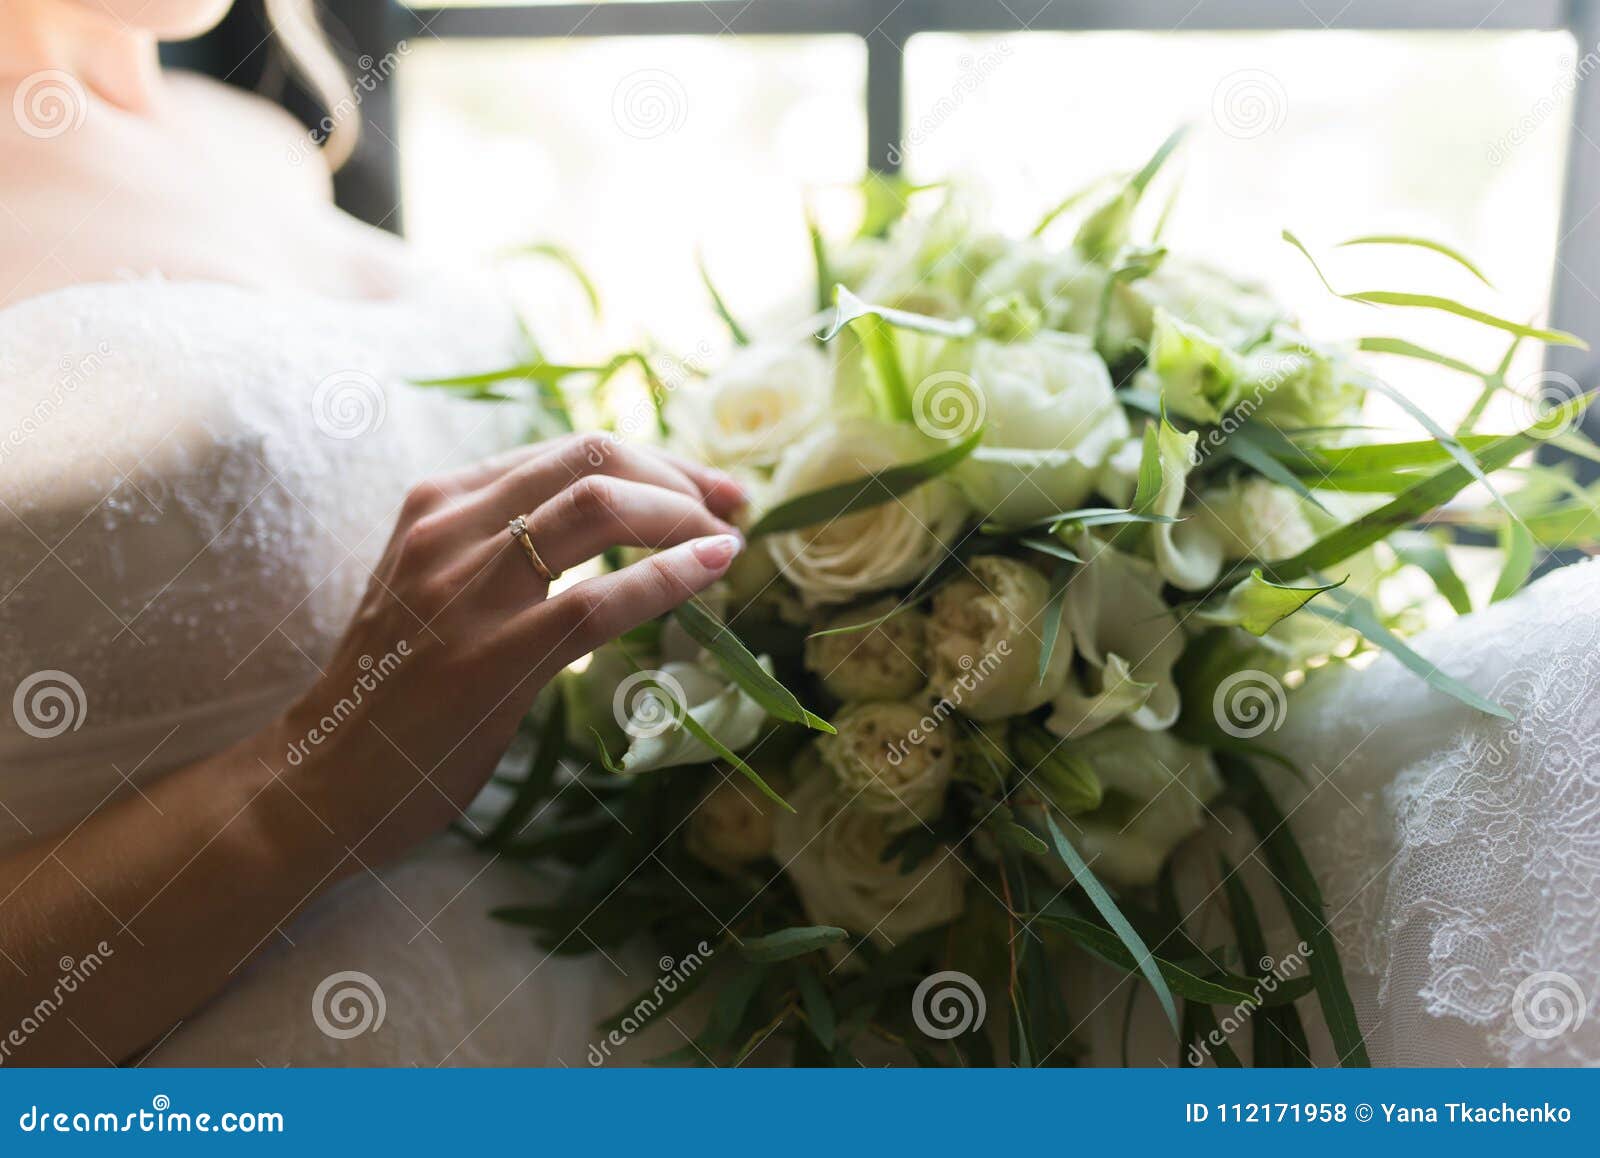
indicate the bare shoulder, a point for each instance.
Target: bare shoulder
{"x":250,"y":126}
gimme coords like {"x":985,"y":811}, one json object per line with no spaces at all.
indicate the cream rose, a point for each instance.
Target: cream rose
{"x":985,"y":635}
{"x":731,"y":826}
{"x":1050,"y":420}
{"x":892,"y":543}
{"x":834,"y":855}
{"x":751,"y":410}
{"x":884,"y":662}
{"x":893,"y":758}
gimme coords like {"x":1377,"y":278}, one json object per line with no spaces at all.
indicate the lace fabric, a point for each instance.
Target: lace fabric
{"x":1459,"y":854}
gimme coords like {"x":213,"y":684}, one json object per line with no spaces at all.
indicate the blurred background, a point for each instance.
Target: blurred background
{"x":639,"y":134}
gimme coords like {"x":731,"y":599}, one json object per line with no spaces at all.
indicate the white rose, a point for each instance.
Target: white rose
{"x":834,"y":855}
{"x":1050,"y":419}
{"x":1128,"y":640}
{"x":887,"y":545}
{"x":756,"y":405}
{"x":985,"y":636}
{"x":892,"y":759}
{"x":731,"y":826}
{"x":1156,"y":790}
{"x":1255,"y":519}
{"x":651,"y":705}
{"x":885,"y":662}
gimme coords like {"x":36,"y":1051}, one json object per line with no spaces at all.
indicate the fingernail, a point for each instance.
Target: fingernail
{"x":716,"y":551}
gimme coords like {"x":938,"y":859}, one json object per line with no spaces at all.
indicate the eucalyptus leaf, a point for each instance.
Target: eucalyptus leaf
{"x":1438,"y":247}
{"x":741,"y":336}
{"x":743,"y":668}
{"x":791,"y":942}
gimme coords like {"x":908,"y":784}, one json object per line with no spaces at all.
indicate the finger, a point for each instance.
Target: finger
{"x":723,"y":493}
{"x":600,"y":512}
{"x":540,"y":478}
{"x":580,"y":619}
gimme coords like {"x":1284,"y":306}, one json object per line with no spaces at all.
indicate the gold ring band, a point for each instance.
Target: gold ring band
{"x":518,"y":529}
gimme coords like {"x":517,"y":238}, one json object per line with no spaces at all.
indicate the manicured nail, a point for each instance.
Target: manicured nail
{"x":716,"y":551}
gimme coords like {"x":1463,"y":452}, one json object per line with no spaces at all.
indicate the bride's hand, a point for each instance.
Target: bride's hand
{"x":458,"y":632}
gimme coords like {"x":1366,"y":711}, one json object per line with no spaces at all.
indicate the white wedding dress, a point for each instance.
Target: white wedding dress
{"x":194,"y":480}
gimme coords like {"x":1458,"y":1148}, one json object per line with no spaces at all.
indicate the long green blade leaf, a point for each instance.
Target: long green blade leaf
{"x":845,"y":498}
{"x":743,"y":668}
{"x":1140,"y":955}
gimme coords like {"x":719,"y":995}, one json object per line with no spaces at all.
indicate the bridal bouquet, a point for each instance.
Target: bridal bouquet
{"x":1045,"y":531}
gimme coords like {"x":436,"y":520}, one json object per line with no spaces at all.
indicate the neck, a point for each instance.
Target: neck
{"x":117,"y":63}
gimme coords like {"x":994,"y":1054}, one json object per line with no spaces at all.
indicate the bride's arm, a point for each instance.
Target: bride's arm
{"x":172,"y":890}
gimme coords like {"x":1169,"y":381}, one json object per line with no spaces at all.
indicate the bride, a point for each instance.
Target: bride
{"x":265,"y":636}
{"x":262,"y":627}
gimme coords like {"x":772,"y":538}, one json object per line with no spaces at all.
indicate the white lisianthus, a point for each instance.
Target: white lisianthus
{"x":754,"y":407}
{"x":1156,"y":789}
{"x":1188,"y":554}
{"x":833,"y":853}
{"x":985,"y":636}
{"x":1050,"y":420}
{"x":1128,"y":640}
{"x":1255,"y":519}
{"x":1065,"y":286}
{"x":651,"y":705}
{"x":731,"y":826}
{"x":885,"y":662}
{"x":882,"y":546}
{"x":892,"y":759}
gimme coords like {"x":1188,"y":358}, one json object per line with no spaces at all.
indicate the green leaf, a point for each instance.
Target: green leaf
{"x":1052,"y":616}
{"x":848,"y":308}
{"x":1244,"y":445}
{"x":1303,"y":898}
{"x":1277,"y":1038}
{"x":1445,"y":305}
{"x":1401,"y":348}
{"x":1428,"y":555}
{"x":1050,"y":766}
{"x":791,"y":942}
{"x":818,"y":1008}
{"x":845,"y":498}
{"x":743,"y":668}
{"x":1516,"y":541}
{"x":740,"y":336}
{"x":698,"y":730}
{"x":541,"y":775}
{"x":1438,"y":247}
{"x":1223,"y":988}
{"x":1443,"y":437}
{"x":819,"y":258}
{"x":1019,"y":837}
{"x":1419,"y":499}
{"x":1257,"y":603}
{"x":1359,"y":614}
{"x":1139,"y":955}
{"x":566,"y":261}
{"x":1052,"y":548}
{"x":1067,"y":203}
